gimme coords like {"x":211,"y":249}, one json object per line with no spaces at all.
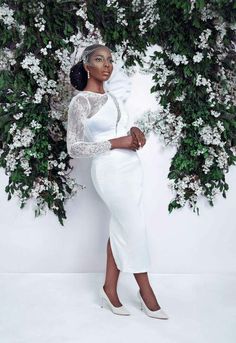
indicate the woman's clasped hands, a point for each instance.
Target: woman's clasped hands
{"x":134,"y":141}
{"x":138,"y":139}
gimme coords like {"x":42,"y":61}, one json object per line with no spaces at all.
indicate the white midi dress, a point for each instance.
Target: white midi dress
{"x":117,"y":174}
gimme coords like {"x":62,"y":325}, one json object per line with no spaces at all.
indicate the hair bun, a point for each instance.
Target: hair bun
{"x":78,"y":76}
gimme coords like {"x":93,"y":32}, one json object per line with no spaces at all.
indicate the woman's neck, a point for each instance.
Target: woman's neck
{"x":93,"y":86}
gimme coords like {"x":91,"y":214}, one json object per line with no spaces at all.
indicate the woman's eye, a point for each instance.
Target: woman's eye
{"x":98,"y":59}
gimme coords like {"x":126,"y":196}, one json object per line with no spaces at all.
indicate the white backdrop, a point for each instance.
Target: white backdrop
{"x":180,"y":242}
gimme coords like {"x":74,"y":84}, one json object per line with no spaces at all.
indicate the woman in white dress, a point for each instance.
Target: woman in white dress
{"x":97,"y":128}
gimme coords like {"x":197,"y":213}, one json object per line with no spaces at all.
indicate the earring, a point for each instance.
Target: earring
{"x":88,"y":74}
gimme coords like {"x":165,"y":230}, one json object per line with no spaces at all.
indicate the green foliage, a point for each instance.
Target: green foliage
{"x":176,"y":31}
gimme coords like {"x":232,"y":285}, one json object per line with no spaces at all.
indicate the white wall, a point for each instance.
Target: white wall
{"x":180,"y":242}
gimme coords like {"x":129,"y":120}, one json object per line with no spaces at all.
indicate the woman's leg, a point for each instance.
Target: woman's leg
{"x":146,"y":291}
{"x":111,"y":279}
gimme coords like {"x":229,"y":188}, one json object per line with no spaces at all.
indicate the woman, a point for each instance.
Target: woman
{"x":97,"y":128}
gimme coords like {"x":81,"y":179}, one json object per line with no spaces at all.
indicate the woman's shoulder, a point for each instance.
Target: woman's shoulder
{"x":79,"y":102}
{"x":87,"y":96}
{"x":89,"y":102}
{"x":81,"y":97}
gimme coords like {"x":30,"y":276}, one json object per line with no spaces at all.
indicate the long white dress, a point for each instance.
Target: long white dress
{"x":117,"y":174}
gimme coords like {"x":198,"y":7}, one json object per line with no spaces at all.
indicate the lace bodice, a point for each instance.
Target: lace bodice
{"x":81,"y":111}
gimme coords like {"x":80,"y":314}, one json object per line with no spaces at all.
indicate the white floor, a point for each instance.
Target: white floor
{"x":64,"y":308}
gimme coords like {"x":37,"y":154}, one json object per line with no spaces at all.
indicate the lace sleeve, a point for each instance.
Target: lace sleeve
{"x":77,"y":147}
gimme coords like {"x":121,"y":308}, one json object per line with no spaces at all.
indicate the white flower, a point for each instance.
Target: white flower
{"x":63,"y":155}
{"x":215,"y":113}
{"x":23,"y":138}
{"x":35,"y":124}
{"x":44,"y":51}
{"x":181,"y":97}
{"x":203,"y":38}
{"x":6,"y":15}
{"x":198,"y":122}
{"x":211,"y":135}
{"x":12,"y":128}
{"x":177,"y":59}
{"x":198,"y":57}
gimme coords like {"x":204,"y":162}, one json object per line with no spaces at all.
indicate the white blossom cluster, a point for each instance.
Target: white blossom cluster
{"x":121,"y":16}
{"x":111,"y":3}
{"x":44,"y":50}
{"x":64,"y":58}
{"x":181,"y":97}
{"x":209,"y":160}
{"x":7,"y":58}
{"x":119,"y":49}
{"x":77,"y":39}
{"x":11,"y":162}
{"x":43,"y":184}
{"x":216,"y":93}
{"x":202,"y":81}
{"x":192,"y":3}
{"x":222,"y":160}
{"x":21,"y":137}
{"x":40,"y":184}
{"x":216,"y":156}
{"x":207,"y":13}
{"x":6,"y":15}
{"x":120,"y":11}
{"x":46,"y":86}
{"x":82,"y":12}
{"x":198,"y":57}
{"x":220,"y":26}
{"x":168,"y":126}
{"x":150,"y":15}
{"x":212,"y":135}
{"x":215,"y":113}
{"x":181,"y":185}
{"x":39,"y":20}
{"x":18,"y":115}
{"x":24,"y":163}
{"x":202,"y":41}
{"x":198,"y":122}
{"x":177,"y":59}
{"x":161,"y":71}
{"x":34,"y":124}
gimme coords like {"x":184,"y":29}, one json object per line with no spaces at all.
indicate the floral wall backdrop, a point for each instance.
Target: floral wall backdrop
{"x":193,"y":69}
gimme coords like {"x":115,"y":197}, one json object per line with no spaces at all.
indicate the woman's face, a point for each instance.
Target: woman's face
{"x":100,"y":64}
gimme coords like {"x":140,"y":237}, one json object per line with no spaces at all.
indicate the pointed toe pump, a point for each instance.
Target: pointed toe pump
{"x":122,"y":310}
{"x":160,"y":314}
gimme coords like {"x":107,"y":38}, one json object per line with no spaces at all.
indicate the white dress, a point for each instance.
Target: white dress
{"x":117,"y":174}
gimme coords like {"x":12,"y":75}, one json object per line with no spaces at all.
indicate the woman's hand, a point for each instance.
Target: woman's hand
{"x":138,"y":135}
{"x":125,"y":142}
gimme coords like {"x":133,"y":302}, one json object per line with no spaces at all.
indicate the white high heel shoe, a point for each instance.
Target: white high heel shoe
{"x":160,"y":314}
{"x":117,"y":310}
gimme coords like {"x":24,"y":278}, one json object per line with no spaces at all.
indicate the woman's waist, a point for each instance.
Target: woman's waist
{"x":117,"y":154}
{"x":109,"y":134}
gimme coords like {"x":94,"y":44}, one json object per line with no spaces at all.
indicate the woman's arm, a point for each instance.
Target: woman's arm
{"x":77,"y":147}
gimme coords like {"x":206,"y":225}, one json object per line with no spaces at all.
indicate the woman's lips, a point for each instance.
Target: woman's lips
{"x":106,"y":73}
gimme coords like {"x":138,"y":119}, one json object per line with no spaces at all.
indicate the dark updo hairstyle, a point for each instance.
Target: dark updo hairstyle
{"x":78,"y":74}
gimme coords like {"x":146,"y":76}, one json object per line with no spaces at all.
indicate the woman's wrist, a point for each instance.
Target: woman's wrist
{"x":112,"y":144}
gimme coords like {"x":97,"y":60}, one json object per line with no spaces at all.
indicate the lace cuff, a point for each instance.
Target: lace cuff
{"x":89,"y":149}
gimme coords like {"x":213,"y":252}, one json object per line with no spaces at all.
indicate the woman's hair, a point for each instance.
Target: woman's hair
{"x":78,"y":74}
